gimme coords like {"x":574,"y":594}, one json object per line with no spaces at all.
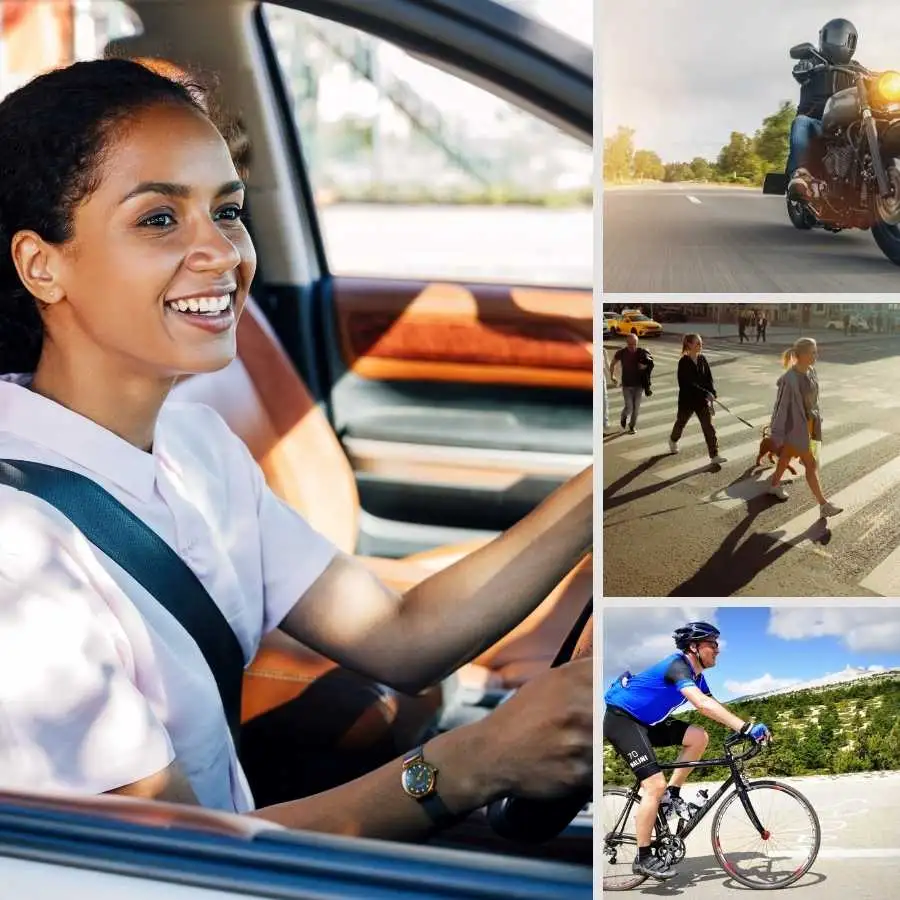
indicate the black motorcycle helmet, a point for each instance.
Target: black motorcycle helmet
{"x":837,"y":41}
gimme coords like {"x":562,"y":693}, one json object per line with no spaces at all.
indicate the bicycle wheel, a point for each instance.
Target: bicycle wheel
{"x":783,"y":853}
{"x":620,"y":848}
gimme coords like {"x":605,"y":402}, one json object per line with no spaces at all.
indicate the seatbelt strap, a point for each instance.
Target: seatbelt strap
{"x":143,"y":554}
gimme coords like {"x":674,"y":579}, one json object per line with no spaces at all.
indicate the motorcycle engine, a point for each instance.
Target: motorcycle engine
{"x":838,"y":161}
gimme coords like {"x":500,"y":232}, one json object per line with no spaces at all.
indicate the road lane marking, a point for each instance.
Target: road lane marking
{"x":858,"y":853}
{"x":694,"y":440}
{"x":747,"y":489}
{"x":693,"y":199}
{"x":852,"y":498}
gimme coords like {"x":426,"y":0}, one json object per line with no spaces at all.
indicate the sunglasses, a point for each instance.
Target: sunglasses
{"x":714,"y":644}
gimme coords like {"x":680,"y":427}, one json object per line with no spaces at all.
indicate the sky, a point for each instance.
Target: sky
{"x":763,"y":648}
{"x":686,"y":73}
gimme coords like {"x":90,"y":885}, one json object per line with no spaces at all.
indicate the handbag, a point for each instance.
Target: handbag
{"x":143,"y":554}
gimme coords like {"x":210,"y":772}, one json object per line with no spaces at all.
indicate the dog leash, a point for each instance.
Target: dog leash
{"x":717,"y":400}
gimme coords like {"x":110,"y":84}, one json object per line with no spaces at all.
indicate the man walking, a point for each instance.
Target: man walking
{"x":635,"y":363}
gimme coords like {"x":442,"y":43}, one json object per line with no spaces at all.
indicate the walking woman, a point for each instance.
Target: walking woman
{"x":797,"y":421}
{"x":696,"y":391}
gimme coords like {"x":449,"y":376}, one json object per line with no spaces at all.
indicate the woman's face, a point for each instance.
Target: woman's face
{"x":695,"y":348}
{"x":808,"y":356}
{"x":162,"y":231}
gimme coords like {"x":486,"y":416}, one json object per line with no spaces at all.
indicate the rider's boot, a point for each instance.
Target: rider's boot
{"x":800,"y":185}
{"x":654,"y":867}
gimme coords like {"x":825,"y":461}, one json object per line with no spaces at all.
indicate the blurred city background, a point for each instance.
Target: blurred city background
{"x":393,"y":144}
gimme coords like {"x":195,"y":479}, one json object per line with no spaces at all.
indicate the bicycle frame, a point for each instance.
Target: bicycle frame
{"x":736,"y":778}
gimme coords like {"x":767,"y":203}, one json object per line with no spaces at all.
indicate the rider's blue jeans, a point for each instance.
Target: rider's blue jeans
{"x":803,"y":130}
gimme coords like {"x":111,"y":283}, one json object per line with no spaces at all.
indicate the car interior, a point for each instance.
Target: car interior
{"x":408,"y":419}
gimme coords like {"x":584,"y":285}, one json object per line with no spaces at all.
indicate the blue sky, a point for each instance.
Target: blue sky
{"x":763,"y":648}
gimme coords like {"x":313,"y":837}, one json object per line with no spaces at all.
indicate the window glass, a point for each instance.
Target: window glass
{"x":419,"y":174}
{"x":41,"y":36}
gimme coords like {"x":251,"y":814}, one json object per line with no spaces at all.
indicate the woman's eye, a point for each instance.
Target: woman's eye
{"x":231,"y":214}
{"x":158,"y":220}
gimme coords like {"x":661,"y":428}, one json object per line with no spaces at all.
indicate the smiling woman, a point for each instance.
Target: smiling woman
{"x":125,"y":265}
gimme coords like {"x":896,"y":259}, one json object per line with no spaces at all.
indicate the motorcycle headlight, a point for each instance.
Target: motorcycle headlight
{"x":888,"y":86}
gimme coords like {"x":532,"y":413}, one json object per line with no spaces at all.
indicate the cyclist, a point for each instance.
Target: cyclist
{"x":637,"y":720}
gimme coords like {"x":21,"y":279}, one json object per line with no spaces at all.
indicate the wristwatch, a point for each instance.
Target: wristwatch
{"x":419,"y":780}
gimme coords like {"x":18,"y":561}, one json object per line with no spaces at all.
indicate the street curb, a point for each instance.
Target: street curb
{"x":773,"y":337}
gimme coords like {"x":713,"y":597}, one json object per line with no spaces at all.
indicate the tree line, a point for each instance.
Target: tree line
{"x":831,"y":732}
{"x":745,"y":159}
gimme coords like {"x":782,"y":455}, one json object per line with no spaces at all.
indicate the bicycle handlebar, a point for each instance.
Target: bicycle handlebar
{"x":737,"y":738}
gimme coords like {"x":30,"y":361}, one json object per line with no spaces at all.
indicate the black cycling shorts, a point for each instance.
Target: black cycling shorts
{"x":634,"y":741}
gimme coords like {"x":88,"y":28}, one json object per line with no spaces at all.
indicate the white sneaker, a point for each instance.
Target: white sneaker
{"x":829,"y":509}
{"x":718,"y":459}
{"x":779,"y":492}
{"x":673,"y":446}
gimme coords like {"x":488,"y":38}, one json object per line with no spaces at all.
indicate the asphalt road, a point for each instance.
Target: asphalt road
{"x":671,"y":239}
{"x":859,"y":855}
{"x":675,"y":526}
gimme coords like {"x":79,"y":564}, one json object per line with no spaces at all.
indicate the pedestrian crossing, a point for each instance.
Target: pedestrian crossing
{"x":860,"y":471}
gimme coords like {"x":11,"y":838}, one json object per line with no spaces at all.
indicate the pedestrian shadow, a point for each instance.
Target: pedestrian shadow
{"x":734,"y":565}
{"x":612,"y":499}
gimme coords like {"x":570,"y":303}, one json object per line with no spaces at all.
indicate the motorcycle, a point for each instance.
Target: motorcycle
{"x":858,"y":169}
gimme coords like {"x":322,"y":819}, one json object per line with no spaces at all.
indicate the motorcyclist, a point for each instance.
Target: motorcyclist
{"x":818,"y":81}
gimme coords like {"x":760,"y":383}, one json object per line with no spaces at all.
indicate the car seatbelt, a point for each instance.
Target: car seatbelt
{"x":144,"y":555}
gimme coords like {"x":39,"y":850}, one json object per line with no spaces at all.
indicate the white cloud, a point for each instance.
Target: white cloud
{"x":635,"y":637}
{"x":860,"y":628}
{"x":759,"y":685}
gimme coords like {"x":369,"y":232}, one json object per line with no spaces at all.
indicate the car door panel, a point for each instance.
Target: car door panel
{"x":459,"y":405}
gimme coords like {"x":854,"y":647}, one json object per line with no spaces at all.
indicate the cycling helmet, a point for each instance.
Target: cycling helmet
{"x":837,"y":41}
{"x":692,"y":632}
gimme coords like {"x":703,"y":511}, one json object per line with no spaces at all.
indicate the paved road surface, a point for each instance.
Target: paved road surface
{"x":675,"y":526}
{"x":859,"y":856}
{"x":670,"y":239}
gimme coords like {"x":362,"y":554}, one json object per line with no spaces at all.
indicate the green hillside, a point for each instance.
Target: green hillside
{"x":820,"y":731}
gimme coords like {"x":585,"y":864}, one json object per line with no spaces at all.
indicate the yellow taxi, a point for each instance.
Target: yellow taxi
{"x":633,"y":321}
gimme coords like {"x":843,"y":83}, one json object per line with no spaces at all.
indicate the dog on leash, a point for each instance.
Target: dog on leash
{"x":768,"y":449}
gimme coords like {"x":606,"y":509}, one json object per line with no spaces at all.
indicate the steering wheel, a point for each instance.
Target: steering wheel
{"x":529,"y":821}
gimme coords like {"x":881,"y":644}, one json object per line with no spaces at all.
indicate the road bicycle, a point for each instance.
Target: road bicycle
{"x":752,"y":835}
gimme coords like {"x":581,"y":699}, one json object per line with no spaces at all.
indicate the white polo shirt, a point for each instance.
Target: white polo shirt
{"x":100,"y":686}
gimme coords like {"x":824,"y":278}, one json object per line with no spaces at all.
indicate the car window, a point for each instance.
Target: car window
{"x":572,"y":17}
{"x":42,"y":36}
{"x":419,"y":174}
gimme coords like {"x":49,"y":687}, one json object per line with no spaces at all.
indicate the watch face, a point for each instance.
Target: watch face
{"x":418,"y":779}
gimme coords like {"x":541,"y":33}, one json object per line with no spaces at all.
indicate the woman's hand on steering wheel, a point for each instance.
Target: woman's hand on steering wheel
{"x":541,"y":739}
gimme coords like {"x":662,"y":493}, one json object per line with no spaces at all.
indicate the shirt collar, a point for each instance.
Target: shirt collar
{"x":38,"y":420}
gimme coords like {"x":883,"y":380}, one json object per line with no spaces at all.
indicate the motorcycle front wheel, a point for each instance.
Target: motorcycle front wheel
{"x":799,"y":215}
{"x":888,"y":239}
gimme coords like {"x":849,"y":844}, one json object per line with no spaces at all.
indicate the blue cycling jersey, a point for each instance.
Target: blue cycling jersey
{"x":652,"y":695}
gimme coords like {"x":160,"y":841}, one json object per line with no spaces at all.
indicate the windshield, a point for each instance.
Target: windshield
{"x":638,"y":318}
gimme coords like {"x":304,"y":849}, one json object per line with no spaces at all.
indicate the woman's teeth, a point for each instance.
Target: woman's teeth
{"x":209,"y":305}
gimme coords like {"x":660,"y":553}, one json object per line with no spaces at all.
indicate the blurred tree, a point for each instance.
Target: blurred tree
{"x":771,"y":142}
{"x":618,"y":155}
{"x":702,"y":169}
{"x":648,"y":165}
{"x":737,"y":160}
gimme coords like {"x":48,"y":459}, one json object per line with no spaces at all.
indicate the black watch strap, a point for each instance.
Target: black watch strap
{"x":434,"y":806}
{"x":438,"y":812}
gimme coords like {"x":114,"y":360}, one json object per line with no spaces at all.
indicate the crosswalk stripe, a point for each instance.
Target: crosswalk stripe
{"x":665,"y":428}
{"x":747,"y":449}
{"x":740,"y":492}
{"x":668,"y":412}
{"x":691,"y":440}
{"x":884,"y":579}
{"x":852,"y":499}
